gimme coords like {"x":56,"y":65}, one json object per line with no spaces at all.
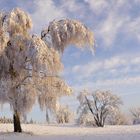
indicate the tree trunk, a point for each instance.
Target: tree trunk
{"x":47,"y":116}
{"x":24,"y":118}
{"x":17,"y":125}
{"x":101,"y":124}
{"x":98,"y":121}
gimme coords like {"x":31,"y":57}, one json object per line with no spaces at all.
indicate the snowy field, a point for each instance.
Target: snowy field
{"x":68,"y":132}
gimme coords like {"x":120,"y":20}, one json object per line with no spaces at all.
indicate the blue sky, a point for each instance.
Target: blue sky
{"x":116,"y":63}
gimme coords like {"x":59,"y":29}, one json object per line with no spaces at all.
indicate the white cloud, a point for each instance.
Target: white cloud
{"x":136,"y":60}
{"x":98,"y":5}
{"x":87,"y":69}
{"x":44,"y":12}
{"x":110,"y":27}
{"x":119,"y":82}
{"x":132,"y":28}
{"x":70,"y":5}
{"x":103,"y":6}
{"x":116,"y":65}
{"x":114,"y":21}
{"x":114,"y":62}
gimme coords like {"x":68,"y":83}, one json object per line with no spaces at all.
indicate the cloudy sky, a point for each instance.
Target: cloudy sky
{"x":115,"y":65}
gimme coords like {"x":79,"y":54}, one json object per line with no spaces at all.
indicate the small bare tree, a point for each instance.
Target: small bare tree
{"x":99,"y":103}
{"x":135,"y":112}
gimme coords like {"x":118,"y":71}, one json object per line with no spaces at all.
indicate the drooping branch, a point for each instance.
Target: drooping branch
{"x":68,"y":32}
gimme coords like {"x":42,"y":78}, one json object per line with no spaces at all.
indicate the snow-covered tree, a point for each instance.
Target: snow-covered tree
{"x":64,"y":114}
{"x":135,"y":112}
{"x":99,"y":103}
{"x":26,"y":59}
{"x":15,"y":54}
{"x":51,"y":89}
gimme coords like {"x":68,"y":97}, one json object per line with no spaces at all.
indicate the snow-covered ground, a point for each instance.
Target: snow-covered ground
{"x":69,"y":132}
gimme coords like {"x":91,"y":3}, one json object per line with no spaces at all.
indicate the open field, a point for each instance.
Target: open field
{"x":69,"y":132}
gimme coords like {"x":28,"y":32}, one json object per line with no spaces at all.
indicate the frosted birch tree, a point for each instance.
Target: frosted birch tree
{"x":23,"y":57}
{"x":26,"y":59}
{"x":99,"y":103}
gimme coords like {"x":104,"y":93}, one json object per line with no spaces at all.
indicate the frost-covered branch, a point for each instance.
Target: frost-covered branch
{"x":68,"y":32}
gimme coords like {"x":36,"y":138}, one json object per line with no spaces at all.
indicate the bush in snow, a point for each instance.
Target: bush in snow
{"x":135,"y":112}
{"x":85,"y":119}
{"x":117,"y":118}
{"x":5,"y":120}
{"x":64,"y":115}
